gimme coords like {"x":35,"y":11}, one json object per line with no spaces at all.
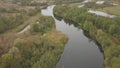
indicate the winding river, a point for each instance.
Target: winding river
{"x":80,"y":51}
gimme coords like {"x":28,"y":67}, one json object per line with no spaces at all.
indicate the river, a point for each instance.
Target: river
{"x":80,"y":51}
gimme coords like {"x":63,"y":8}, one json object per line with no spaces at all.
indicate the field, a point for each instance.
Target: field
{"x":115,"y":10}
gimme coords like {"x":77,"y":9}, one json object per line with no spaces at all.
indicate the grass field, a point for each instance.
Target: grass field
{"x":115,"y":10}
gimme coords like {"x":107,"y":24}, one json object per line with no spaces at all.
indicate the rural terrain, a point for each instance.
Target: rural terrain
{"x":29,"y":39}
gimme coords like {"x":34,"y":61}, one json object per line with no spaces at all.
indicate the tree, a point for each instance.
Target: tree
{"x":88,"y":25}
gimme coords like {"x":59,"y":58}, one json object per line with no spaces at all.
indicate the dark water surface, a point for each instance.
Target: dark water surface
{"x":80,"y":51}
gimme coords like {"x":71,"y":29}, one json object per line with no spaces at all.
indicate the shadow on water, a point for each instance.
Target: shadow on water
{"x":86,"y":33}
{"x":70,"y":22}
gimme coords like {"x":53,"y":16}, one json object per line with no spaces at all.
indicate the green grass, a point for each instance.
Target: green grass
{"x":115,"y":10}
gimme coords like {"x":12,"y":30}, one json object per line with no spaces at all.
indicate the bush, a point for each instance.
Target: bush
{"x":44,"y":25}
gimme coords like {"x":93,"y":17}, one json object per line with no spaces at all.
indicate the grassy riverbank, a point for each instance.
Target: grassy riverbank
{"x":103,"y":29}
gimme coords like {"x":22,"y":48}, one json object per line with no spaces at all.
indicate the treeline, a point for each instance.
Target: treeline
{"x":67,"y":1}
{"x":30,"y":2}
{"x":43,"y":2}
{"x":105,"y":30}
{"x":12,"y":10}
{"x":10,"y":19}
{"x":10,"y":22}
{"x":35,"y":50}
{"x":93,"y":5}
{"x":22,"y":2}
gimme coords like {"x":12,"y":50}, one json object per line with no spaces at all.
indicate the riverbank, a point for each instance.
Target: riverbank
{"x":99,"y":28}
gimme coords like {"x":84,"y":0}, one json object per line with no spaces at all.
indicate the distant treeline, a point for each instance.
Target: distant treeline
{"x":93,"y":5}
{"x":43,"y":2}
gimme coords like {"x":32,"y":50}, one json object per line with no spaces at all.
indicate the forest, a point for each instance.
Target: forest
{"x":40,"y":46}
{"x":37,"y":48}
